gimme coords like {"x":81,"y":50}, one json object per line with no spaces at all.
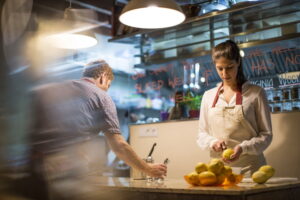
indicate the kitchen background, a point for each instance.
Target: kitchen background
{"x":150,"y":65}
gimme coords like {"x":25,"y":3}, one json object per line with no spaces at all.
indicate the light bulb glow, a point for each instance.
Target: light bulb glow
{"x":242,"y":53}
{"x":71,"y":41}
{"x":152,"y":17}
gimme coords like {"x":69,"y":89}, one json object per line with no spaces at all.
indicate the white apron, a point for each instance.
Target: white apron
{"x":229,"y":124}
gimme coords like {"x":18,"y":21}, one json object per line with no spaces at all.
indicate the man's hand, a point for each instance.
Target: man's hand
{"x":235,"y":156}
{"x":219,"y":146}
{"x":157,"y":170}
{"x":124,"y":151}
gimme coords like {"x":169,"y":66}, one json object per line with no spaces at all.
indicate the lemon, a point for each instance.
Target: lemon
{"x":227,"y":153}
{"x":200,"y":167}
{"x":259,"y":177}
{"x":268,"y":169}
{"x":207,"y":178}
{"x":215,"y":166}
{"x":192,"y":178}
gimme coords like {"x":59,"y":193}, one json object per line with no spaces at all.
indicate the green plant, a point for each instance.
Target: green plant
{"x":193,"y":102}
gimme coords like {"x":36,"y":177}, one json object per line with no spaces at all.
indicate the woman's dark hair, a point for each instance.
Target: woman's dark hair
{"x":230,"y":51}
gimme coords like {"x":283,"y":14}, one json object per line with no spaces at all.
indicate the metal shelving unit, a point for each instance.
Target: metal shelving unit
{"x":268,"y":32}
{"x":249,"y":24}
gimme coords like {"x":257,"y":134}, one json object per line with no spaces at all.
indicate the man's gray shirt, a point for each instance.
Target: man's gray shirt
{"x":70,"y":112}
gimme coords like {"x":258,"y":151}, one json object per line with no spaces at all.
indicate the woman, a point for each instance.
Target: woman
{"x":178,"y":111}
{"x":235,"y":114}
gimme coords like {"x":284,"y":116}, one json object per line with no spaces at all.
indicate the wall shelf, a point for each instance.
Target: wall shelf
{"x":249,"y":24}
{"x":131,"y":38}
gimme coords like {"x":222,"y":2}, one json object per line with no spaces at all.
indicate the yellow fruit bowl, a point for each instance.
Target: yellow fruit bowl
{"x":189,"y":181}
{"x":231,"y":180}
{"x":213,"y":174}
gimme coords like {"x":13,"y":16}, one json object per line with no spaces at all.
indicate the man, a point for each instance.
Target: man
{"x":70,"y":115}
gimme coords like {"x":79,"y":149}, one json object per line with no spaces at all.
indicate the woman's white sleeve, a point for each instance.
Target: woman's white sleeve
{"x":204,"y":140}
{"x":258,"y":144}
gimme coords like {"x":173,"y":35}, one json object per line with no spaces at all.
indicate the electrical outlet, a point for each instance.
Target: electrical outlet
{"x":148,"y":132}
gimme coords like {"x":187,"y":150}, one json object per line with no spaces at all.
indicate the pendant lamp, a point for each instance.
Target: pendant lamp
{"x":151,"y":14}
{"x":76,"y":33}
{"x":72,"y":40}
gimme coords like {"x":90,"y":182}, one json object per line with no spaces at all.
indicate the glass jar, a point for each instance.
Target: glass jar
{"x":295,"y":93}
{"x":286,"y":94}
{"x":286,"y":106}
{"x":277,"y":107}
{"x":143,"y":175}
{"x":149,"y":160}
{"x":269,"y":95}
{"x":295,"y":105}
{"x":277,"y":94}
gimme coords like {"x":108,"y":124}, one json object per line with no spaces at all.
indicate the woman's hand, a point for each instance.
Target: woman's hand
{"x":235,"y":156}
{"x":157,"y":170}
{"x":219,"y":146}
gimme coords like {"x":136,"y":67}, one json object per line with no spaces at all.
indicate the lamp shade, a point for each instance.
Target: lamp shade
{"x":72,"y":40}
{"x":151,"y":14}
{"x":75,"y":30}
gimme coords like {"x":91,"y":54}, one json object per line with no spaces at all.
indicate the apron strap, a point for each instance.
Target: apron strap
{"x":217,"y":96}
{"x":238,"y":100}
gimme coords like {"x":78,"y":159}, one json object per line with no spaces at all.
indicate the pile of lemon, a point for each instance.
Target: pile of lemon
{"x":263,"y":174}
{"x":215,"y":173}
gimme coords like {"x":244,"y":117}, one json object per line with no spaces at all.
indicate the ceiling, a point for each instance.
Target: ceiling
{"x":52,"y":9}
{"x":105,"y":10}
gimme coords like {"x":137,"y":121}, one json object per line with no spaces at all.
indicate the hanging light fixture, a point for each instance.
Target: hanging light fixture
{"x":151,"y":14}
{"x":72,"y":40}
{"x":76,"y":32}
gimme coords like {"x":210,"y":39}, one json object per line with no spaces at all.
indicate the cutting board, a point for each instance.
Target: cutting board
{"x":274,"y":180}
